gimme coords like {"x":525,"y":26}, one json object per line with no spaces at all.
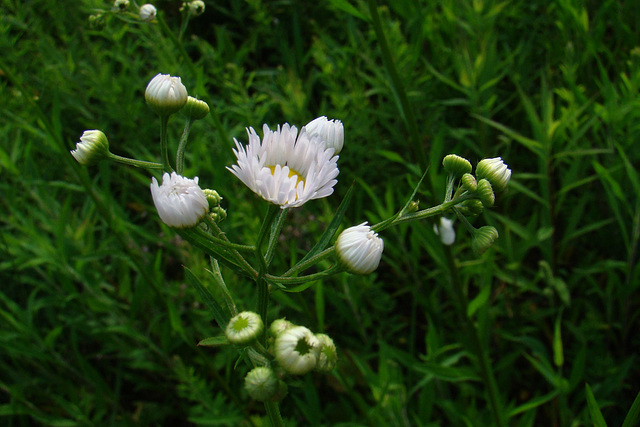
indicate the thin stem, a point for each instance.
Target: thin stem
{"x":182,"y":145}
{"x":310,"y":262}
{"x":273,"y":411}
{"x":164,"y":151}
{"x":263,"y":286}
{"x":275,"y":233}
{"x":134,"y":162}
{"x":303,"y":279}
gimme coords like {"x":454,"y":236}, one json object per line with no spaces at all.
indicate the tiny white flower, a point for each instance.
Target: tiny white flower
{"x":244,"y":327}
{"x":165,"y":94}
{"x":286,"y":168}
{"x":331,"y":132}
{"x":180,"y":201}
{"x":445,"y":231}
{"x":495,"y":171}
{"x":359,"y":249}
{"x":297,"y":350}
{"x":92,"y":147}
{"x":147,"y":12}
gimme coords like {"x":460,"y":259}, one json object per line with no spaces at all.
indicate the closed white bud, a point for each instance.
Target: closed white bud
{"x":359,"y":249}
{"x":328,"y":356}
{"x":180,"y":202}
{"x":244,"y":327}
{"x":495,"y":171}
{"x":93,"y":147}
{"x":330,"y":132}
{"x":297,"y":350}
{"x":165,"y":94}
{"x":147,"y":12}
{"x":445,"y":231}
{"x":261,"y":383}
{"x":196,"y":8}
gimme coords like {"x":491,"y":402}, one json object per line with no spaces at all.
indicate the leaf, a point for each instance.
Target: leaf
{"x":634,"y":413}
{"x":345,"y":6}
{"x":594,"y":409}
{"x":558,"y":353}
{"x":533,"y":403}
{"x":219,"y":314}
{"x":480,"y":300}
{"x":214,"y":341}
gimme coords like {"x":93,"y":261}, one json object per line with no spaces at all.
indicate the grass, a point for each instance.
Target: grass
{"x":99,"y":324}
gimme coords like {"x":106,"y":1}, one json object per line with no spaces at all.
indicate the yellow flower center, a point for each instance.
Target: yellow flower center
{"x":292,"y":172}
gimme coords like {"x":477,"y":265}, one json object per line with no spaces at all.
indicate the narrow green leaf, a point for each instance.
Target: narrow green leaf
{"x":222,"y":318}
{"x":594,"y":409}
{"x":480,"y":300}
{"x":533,"y":403}
{"x":558,"y":353}
{"x":214,"y":341}
{"x":634,"y":413}
{"x":345,"y":6}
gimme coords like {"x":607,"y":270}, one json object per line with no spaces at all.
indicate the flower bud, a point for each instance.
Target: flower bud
{"x":279,"y":325}
{"x":244,"y":327}
{"x":495,"y":171}
{"x":456,"y":165}
{"x":472,"y":207}
{"x":328,"y":356}
{"x":96,"y":21}
{"x":147,"y":12}
{"x":483,"y":238}
{"x":121,"y":5}
{"x":359,"y":249}
{"x":165,"y":95}
{"x":93,"y":147}
{"x":180,"y":202}
{"x":261,"y":383}
{"x":217,"y":214}
{"x":469,"y":182}
{"x":196,"y":8}
{"x":485,"y":193}
{"x":445,"y":231}
{"x":297,"y":350}
{"x":330,"y":132}
{"x":196,"y":109}
{"x":212,"y":197}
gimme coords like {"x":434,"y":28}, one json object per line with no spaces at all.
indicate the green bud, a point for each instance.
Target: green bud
{"x":456,"y":165}
{"x":472,"y":207}
{"x":218,"y":214}
{"x":483,"y":238}
{"x":279,"y":325}
{"x":485,"y":193}
{"x":413,"y":206}
{"x":196,"y":109}
{"x":328,"y":356}
{"x":244,"y":327}
{"x":469,"y":182}
{"x":93,"y":147}
{"x":212,"y":197}
{"x":261,"y":383}
{"x":495,"y":171}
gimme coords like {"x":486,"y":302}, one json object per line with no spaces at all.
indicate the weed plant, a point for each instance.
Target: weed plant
{"x":98,"y":325}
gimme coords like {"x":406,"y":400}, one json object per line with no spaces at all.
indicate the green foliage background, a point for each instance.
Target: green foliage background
{"x":97,"y":325}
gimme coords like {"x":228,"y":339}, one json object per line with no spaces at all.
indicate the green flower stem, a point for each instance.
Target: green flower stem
{"x":164,"y":151}
{"x":310,"y":262}
{"x":134,"y":162}
{"x":275,"y":233}
{"x":182,"y":145}
{"x":230,"y":250}
{"x":303,"y":279}
{"x":263,"y":286}
{"x":486,"y":371}
{"x":274,"y":414}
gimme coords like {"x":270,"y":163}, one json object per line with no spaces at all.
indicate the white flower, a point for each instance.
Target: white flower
{"x":92,"y":147}
{"x":285,"y":168}
{"x":445,"y":231}
{"x":165,"y":94}
{"x":331,"y":132}
{"x":180,"y":201}
{"x":244,"y":327}
{"x":359,"y":249}
{"x":495,"y":171}
{"x":147,"y":12}
{"x":297,"y":350}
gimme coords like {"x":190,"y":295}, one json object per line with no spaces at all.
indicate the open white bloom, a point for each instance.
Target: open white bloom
{"x":297,"y":350}
{"x":495,"y":171}
{"x":244,"y":327}
{"x":165,"y":94}
{"x":359,"y":249}
{"x":92,"y":147}
{"x":331,"y":132}
{"x":180,"y":201}
{"x":286,"y":168}
{"x":147,"y":12}
{"x":445,"y":231}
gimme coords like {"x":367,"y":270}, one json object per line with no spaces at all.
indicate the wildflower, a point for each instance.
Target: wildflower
{"x":297,"y":350}
{"x":261,"y":383}
{"x":483,"y":238}
{"x":285,"y":168}
{"x":331,"y":132}
{"x":495,"y":171}
{"x":328,"y":356}
{"x":196,"y":109}
{"x":93,"y":146}
{"x":456,"y":165}
{"x":147,"y":12}
{"x":180,"y":201}
{"x":445,"y":231}
{"x":244,"y":327}
{"x":359,"y":249}
{"x":165,"y":94}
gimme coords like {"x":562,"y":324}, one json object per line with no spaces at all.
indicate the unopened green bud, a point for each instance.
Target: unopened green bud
{"x":413,"y":206}
{"x":469,"y":182}
{"x":279,"y":325}
{"x":244,"y":327}
{"x":196,"y":8}
{"x":456,"y":165}
{"x":218,"y":214}
{"x":96,"y":21}
{"x":212,"y":197}
{"x":483,"y":238}
{"x":261,"y":383}
{"x":196,"y":109}
{"x":485,"y":193}
{"x":328,"y":356}
{"x":472,"y":207}
{"x":495,"y":171}
{"x":283,"y":389}
{"x":93,"y":147}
